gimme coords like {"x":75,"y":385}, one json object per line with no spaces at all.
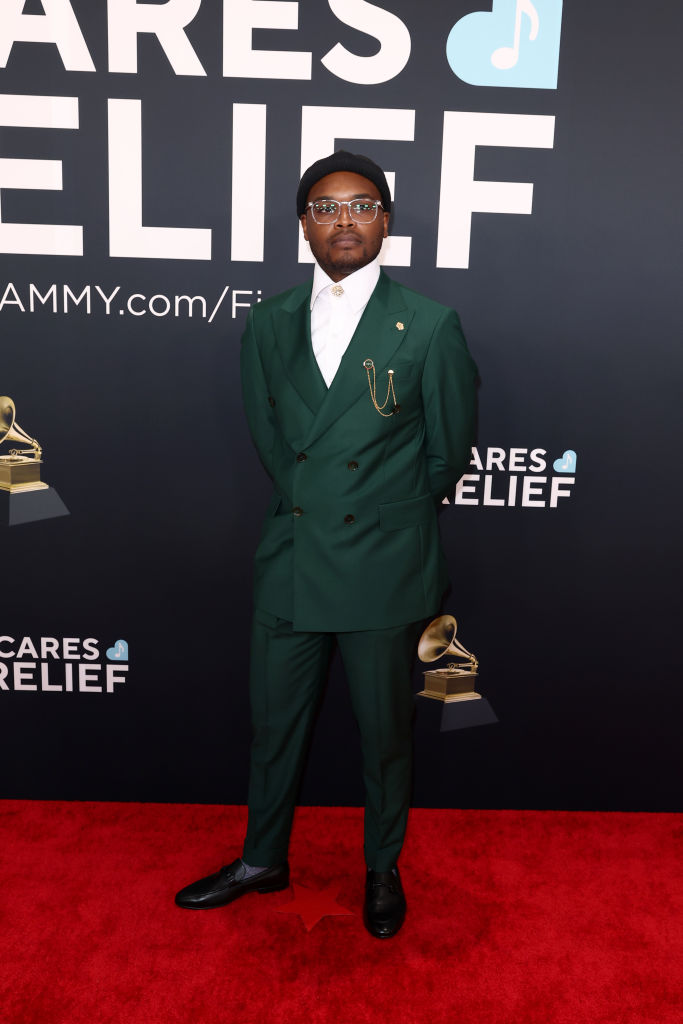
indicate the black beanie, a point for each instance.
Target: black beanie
{"x":343,"y":161}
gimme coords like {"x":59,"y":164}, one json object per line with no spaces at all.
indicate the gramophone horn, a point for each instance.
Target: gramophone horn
{"x":7,"y":414}
{"x":439,"y":639}
{"x":11,"y":431}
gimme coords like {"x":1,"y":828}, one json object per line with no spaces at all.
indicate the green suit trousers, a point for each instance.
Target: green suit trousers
{"x":288,"y":672}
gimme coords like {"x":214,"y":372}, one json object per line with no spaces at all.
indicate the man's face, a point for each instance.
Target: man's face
{"x":344,"y":246}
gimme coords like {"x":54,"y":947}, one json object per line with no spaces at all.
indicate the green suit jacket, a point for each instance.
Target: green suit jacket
{"x":351,"y":540}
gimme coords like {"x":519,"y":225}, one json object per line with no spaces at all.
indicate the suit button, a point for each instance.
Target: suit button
{"x":301,"y":457}
{"x":349,"y":519}
{"x":296,"y":511}
{"x":271,"y":401}
{"x":352,"y":465}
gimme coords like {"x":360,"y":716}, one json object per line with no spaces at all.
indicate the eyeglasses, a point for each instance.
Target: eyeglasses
{"x":361,"y":211}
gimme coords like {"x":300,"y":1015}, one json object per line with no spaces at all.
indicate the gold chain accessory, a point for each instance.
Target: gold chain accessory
{"x":372,"y":384}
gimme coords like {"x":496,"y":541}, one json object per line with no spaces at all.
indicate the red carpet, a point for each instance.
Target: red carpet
{"x":513,"y":917}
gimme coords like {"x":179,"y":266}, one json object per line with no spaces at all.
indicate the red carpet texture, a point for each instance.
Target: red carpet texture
{"x":513,"y":917}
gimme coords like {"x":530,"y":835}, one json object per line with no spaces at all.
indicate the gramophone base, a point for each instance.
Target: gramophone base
{"x":17,"y":507}
{"x":450,"y":697}
{"x":448,"y":684}
{"x":22,"y":488}
{"x":447,"y":715}
{"x":19,"y":474}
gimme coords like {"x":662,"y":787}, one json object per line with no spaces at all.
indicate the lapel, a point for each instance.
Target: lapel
{"x":292,"y":329}
{"x":377,"y":337}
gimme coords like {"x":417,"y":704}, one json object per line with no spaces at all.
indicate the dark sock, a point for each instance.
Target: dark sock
{"x":250,"y":870}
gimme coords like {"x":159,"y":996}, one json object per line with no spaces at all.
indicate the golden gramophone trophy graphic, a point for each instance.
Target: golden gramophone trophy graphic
{"x":24,"y":497}
{"x":453,"y":686}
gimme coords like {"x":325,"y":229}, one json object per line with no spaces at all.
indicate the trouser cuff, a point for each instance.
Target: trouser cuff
{"x":263,"y":857}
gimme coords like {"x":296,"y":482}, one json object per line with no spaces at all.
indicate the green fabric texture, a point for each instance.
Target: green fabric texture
{"x":350,"y":539}
{"x":288,"y":673}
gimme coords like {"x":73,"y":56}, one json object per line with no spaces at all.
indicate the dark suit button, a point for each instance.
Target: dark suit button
{"x":296,"y":511}
{"x":349,"y":519}
{"x":352,"y":465}
{"x":271,"y":401}
{"x":301,"y":457}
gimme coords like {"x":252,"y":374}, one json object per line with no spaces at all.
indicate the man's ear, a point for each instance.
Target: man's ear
{"x":386,"y":224}
{"x":302,"y":218}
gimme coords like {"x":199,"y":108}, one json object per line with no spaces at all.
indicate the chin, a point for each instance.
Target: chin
{"x":349,"y":264}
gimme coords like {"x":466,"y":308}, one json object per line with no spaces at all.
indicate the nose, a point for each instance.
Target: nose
{"x":344,"y":216}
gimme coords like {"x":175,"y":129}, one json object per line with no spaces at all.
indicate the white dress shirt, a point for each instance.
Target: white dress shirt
{"x":335,"y":312}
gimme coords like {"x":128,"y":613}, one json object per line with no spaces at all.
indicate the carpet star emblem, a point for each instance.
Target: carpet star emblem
{"x":313,"y":904}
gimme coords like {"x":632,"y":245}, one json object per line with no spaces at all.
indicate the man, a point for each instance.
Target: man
{"x":359,"y":395}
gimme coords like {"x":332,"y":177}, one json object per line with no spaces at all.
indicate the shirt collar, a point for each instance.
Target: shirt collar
{"x":358,"y":287}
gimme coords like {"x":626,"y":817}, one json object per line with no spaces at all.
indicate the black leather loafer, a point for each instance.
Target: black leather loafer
{"x":229,"y":884}
{"x":385,"y":904}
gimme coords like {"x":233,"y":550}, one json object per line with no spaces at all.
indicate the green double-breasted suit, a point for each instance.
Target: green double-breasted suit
{"x":350,"y":544}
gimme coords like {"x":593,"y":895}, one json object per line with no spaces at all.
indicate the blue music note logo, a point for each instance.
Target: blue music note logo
{"x":507,"y":56}
{"x":567,"y":464}
{"x":119,"y":652}
{"x":516,"y":45}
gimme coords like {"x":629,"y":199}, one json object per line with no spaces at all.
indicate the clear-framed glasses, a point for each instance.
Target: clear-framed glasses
{"x":361,"y":211}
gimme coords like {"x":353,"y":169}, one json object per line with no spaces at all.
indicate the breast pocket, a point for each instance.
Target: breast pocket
{"x":405,"y":371}
{"x":406,"y":380}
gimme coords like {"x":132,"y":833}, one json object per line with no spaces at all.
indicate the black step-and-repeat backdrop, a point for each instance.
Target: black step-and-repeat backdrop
{"x":149,"y":158}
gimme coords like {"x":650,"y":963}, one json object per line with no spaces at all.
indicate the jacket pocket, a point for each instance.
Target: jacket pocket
{"x":265,"y":618}
{"x":397,"y":515}
{"x":404,"y":371}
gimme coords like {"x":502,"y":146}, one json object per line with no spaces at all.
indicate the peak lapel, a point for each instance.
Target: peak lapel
{"x":292,"y":328}
{"x":377,"y":337}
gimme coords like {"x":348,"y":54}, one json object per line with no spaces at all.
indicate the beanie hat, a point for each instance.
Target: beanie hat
{"x":343,"y":161}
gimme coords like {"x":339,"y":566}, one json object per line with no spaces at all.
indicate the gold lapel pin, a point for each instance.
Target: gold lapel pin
{"x":399,"y":325}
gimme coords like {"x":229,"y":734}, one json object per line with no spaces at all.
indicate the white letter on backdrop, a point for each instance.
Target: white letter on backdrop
{"x":394,"y":44}
{"x":322,"y":126}
{"x":248,"y":181}
{"x":57,"y":25}
{"x":461,"y":195}
{"x":37,"y":239}
{"x":240,"y":60}
{"x":127,"y":236}
{"x":127,"y":19}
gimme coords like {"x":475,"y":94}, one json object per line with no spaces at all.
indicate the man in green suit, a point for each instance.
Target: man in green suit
{"x":359,"y":395}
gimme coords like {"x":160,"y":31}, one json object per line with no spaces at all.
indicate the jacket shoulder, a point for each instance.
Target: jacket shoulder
{"x":416,"y":300}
